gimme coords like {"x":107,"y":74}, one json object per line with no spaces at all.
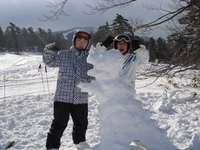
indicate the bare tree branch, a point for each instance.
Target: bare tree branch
{"x":57,"y":10}
{"x":108,"y":4}
{"x":164,"y":18}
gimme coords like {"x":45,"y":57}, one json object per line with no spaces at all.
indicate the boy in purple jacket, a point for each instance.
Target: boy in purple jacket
{"x":69,"y":100}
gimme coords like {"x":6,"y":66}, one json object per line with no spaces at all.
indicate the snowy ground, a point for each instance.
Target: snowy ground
{"x":26,"y":112}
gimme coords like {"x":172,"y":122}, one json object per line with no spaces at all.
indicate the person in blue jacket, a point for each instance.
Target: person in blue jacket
{"x":69,"y":100}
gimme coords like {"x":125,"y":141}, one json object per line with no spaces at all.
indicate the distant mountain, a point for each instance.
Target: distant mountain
{"x":89,"y":29}
{"x":72,"y":30}
{"x":145,"y":38}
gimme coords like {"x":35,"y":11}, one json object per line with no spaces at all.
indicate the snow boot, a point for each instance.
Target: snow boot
{"x":137,"y":145}
{"x":82,"y":145}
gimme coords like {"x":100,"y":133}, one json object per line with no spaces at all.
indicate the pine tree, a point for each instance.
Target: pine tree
{"x":13,"y":37}
{"x":184,"y":43}
{"x":32,"y":39}
{"x":152,"y":47}
{"x":49,"y":38}
{"x":61,"y":42}
{"x":24,"y":39}
{"x":120,"y":25}
{"x":162,"y":50}
{"x":2,"y":39}
{"x":103,"y":32}
{"x":42,"y":39}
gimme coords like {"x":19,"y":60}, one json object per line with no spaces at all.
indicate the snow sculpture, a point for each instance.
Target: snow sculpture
{"x":122,"y":118}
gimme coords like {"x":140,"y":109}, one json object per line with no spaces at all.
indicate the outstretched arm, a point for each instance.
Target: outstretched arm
{"x":50,"y":55}
{"x":143,"y":56}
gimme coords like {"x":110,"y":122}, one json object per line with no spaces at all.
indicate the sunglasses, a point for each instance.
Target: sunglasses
{"x":123,"y":37}
{"x":81,"y":35}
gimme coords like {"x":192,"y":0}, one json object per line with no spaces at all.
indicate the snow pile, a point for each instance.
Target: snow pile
{"x":26,"y":113}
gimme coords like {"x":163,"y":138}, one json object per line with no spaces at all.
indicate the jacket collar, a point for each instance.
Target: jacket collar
{"x":79,"y":52}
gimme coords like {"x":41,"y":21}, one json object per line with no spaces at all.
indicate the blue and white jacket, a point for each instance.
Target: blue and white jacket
{"x":73,"y":69}
{"x":133,"y":61}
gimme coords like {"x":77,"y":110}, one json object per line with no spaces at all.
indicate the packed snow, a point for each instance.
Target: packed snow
{"x":167,"y":112}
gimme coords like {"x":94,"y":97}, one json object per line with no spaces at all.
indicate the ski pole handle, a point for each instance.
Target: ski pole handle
{"x":45,"y":68}
{"x":4,"y":77}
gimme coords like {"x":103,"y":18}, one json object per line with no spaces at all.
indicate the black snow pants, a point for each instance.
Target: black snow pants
{"x":62,"y":112}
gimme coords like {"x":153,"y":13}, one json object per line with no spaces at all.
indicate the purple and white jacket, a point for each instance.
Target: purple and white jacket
{"x":73,"y":69}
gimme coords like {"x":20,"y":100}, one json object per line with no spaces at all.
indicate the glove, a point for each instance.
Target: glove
{"x":52,"y":47}
{"x":108,"y":41}
{"x":135,"y":45}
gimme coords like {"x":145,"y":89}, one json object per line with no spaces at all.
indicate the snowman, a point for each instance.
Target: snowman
{"x":122,"y":118}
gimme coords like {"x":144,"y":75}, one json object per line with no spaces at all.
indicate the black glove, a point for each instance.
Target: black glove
{"x":108,"y":41}
{"x":52,"y":47}
{"x":135,"y":45}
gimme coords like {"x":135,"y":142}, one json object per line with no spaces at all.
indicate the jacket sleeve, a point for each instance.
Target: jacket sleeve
{"x":50,"y":58}
{"x":143,"y":56}
{"x":100,"y":48}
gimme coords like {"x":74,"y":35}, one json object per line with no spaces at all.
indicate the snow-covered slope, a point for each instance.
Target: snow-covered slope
{"x":26,"y":112}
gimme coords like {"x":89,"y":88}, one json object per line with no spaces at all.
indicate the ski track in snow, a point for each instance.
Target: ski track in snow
{"x":26,"y":114}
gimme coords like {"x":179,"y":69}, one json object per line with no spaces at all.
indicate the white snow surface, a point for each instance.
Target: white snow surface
{"x":160,"y":114}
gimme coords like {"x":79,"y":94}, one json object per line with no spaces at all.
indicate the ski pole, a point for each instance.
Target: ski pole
{"x":40,"y":68}
{"x":47,"y":79}
{"x":4,"y":80}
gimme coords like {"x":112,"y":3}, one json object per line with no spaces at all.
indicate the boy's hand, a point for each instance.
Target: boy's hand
{"x":52,"y":47}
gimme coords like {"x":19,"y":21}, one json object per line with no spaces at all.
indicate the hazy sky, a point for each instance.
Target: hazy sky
{"x":25,"y":13}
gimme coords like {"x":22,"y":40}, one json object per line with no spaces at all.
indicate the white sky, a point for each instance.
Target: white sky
{"x":25,"y":13}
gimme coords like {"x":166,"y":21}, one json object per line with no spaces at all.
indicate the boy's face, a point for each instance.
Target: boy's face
{"x":81,"y":43}
{"x":122,"y":46}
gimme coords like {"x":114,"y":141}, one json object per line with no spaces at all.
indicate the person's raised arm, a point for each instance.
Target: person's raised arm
{"x":100,"y":47}
{"x":50,"y":55}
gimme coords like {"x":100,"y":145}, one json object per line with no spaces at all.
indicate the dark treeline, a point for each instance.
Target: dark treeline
{"x":17,"y":40}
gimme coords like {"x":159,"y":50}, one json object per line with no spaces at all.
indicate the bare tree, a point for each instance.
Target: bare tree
{"x":57,"y":9}
{"x":168,"y":15}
